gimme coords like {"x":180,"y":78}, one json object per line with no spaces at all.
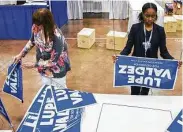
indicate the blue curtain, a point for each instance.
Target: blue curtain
{"x":59,"y":10}
{"x":16,"y":21}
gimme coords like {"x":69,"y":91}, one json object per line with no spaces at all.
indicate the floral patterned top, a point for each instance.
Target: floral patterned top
{"x":52,"y":56}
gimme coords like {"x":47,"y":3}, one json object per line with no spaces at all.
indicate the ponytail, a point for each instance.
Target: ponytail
{"x":140,"y":17}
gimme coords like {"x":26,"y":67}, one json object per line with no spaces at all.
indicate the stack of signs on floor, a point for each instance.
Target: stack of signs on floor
{"x":56,"y":110}
{"x":177,"y":123}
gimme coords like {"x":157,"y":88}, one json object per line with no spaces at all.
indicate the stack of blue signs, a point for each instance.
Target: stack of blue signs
{"x":56,"y":110}
{"x":177,"y":123}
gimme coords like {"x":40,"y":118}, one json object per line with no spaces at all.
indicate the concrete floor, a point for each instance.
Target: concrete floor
{"x":92,"y":69}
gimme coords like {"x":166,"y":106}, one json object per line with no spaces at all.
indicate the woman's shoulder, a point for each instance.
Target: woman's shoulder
{"x":158,"y":28}
{"x":58,"y":32}
{"x":136,"y":26}
{"x":59,"y":35}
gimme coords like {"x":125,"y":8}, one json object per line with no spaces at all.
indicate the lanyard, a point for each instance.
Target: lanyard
{"x":147,"y":44}
{"x":150,"y":35}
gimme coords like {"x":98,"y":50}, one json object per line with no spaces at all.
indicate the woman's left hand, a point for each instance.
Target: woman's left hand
{"x":179,"y":64}
{"x":48,"y":73}
{"x":28,"y":65}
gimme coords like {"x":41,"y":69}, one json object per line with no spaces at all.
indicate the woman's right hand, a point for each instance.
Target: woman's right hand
{"x":115,"y":58}
{"x":17,"y":58}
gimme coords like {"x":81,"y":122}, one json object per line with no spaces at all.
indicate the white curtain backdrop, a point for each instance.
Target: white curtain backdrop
{"x":75,"y":9}
{"x":117,"y":9}
{"x":92,"y":6}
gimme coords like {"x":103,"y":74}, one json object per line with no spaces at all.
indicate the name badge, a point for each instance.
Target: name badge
{"x":146,"y":45}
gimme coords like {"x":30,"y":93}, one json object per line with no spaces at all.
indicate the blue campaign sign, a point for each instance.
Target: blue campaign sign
{"x":13,"y":83}
{"x":38,"y":100}
{"x":51,"y":121}
{"x":43,"y":117}
{"x":31,"y":117}
{"x":4,"y":113}
{"x":71,"y":99}
{"x":145,"y":72}
{"x":176,"y":125}
{"x":28,"y":123}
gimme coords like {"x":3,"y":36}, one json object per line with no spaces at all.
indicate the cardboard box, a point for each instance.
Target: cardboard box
{"x":116,"y":40}
{"x":178,"y":9}
{"x":86,"y":38}
{"x":179,"y":19}
{"x":171,"y":24}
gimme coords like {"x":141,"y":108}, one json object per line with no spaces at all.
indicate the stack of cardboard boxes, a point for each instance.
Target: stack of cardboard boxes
{"x":173,"y":22}
{"x":114,"y":40}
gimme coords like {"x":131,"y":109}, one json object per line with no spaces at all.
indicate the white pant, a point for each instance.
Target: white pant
{"x":57,"y":82}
